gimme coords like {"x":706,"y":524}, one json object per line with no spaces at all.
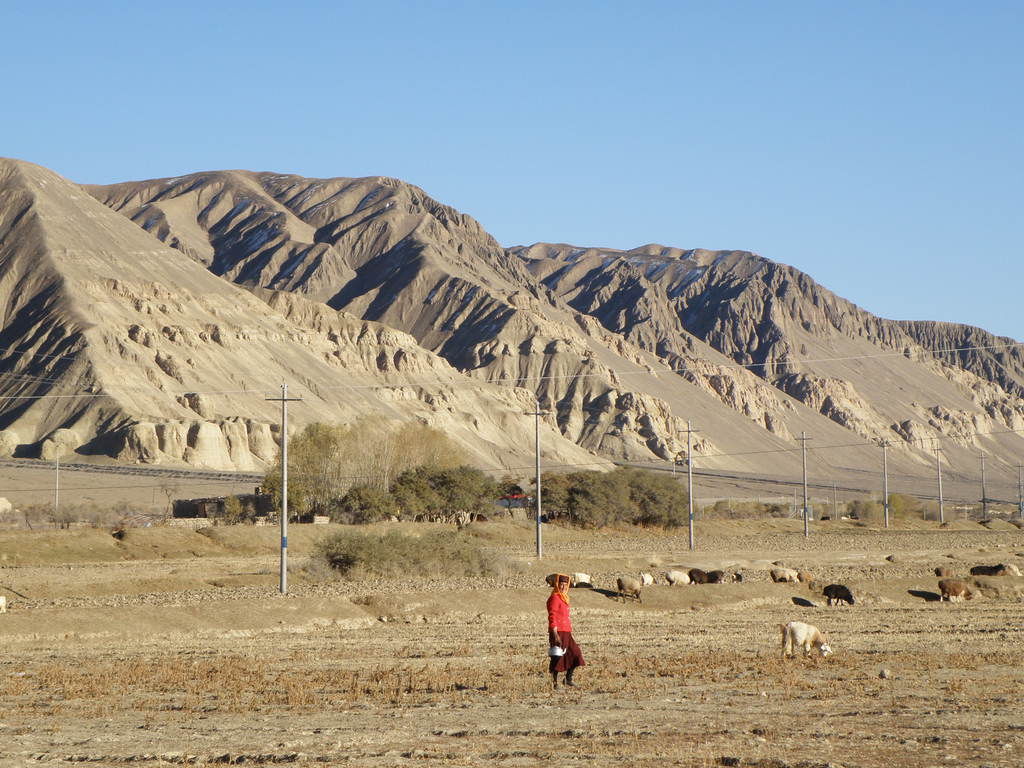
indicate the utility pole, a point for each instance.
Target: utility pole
{"x":835,"y":502}
{"x":56,"y":486}
{"x":803,"y":453}
{"x":885,"y":480}
{"x":938,"y":475}
{"x":984,"y":495}
{"x":690,"y":431}
{"x":537,"y":413}
{"x":284,"y":400}
{"x":1020,"y":491}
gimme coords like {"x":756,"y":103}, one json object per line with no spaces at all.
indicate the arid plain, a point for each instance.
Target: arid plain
{"x":172,"y":647}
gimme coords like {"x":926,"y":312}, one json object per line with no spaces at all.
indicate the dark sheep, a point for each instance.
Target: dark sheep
{"x":838,"y":593}
{"x":697,"y":576}
{"x":995,"y":570}
{"x":716,"y":577}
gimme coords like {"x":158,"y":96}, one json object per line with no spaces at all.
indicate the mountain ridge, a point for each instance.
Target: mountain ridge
{"x":623,"y":347}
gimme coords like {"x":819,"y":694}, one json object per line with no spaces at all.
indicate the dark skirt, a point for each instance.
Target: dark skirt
{"x":572,"y":658}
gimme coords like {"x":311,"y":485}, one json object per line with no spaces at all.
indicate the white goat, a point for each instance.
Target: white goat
{"x":796,"y":634}
{"x":581,"y":580}
{"x":784,"y":574}
{"x":677,"y":577}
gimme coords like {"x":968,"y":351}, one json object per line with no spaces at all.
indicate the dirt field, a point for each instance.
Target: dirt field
{"x":172,"y":647}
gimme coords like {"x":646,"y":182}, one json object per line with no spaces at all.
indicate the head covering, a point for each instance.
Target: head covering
{"x":560,"y":586}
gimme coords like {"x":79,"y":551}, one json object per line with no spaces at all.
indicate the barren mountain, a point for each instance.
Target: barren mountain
{"x":881,"y":379}
{"x":384,"y":250}
{"x":115,"y":344}
{"x":623,"y":346}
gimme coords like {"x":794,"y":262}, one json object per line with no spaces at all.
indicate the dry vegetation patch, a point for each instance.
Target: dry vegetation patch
{"x":691,"y":676}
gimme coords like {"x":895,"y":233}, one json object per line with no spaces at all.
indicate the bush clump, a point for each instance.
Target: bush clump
{"x":393,"y":554}
{"x":624,"y":496}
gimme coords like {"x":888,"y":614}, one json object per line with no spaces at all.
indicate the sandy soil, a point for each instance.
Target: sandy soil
{"x":172,"y":647}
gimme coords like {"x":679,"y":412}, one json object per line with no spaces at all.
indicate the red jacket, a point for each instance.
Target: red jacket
{"x":558,"y":614}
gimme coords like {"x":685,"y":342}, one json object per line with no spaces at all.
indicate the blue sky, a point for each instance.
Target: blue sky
{"x":876,"y":146}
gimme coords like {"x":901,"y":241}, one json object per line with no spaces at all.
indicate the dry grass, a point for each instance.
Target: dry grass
{"x":303,"y":683}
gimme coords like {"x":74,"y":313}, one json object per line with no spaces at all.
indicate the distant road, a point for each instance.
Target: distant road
{"x":121,"y":469}
{"x":750,"y":478}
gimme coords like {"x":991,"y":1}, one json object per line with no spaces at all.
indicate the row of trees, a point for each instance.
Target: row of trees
{"x":421,"y":493}
{"x":326,"y":461}
{"x":373,"y":470}
{"x":625,"y":495}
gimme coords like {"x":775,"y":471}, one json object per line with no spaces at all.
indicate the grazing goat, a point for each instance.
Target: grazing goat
{"x":550,"y":579}
{"x":995,"y":570}
{"x":796,"y":634}
{"x":784,"y":575}
{"x":737,"y":577}
{"x":953,"y":590}
{"x":629,"y":586}
{"x":581,"y":580}
{"x":944,"y":573}
{"x":838,"y":593}
{"x":697,"y":576}
{"x":646,"y":579}
{"x":718,"y":577}
{"x":677,"y":577}
{"x":804,"y":577}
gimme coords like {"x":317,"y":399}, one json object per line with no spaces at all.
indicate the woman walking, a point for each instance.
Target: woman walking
{"x":560,"y":633}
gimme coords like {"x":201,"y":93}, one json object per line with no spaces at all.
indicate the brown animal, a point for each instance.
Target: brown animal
{"x":717,"y":577}
{"x":953,"y":590}
{"x":804,"y":577}
{"x":944,"y":573}
{"x":697,"y":576}
{"x":629,"y":586}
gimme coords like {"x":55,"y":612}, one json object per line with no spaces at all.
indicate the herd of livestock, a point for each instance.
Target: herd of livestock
{"x":795,"y":634}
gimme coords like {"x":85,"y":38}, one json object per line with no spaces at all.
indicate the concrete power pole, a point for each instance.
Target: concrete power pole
{"x":938,"y":476}
{"x":537,"y":413}
{"x":690,"y":431}
{"x":284,"y":400}
{"x":807,"y":512}
{"x":1020,"y":491}
{"x":56,"y":486}
{"x":885,"y":480}
{"x":984,"y":494}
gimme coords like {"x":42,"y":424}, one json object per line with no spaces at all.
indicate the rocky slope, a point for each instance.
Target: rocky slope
{"x":116,"y":345}
{"x":383,"y":250}
{"x":878,"y":378}
{"x":623,"y":346}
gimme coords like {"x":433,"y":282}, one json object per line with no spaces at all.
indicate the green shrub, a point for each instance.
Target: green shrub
{"x":436,"y":492}
{"x":631,"y":496}
{"x":394,"y":554}
{"x":364,"y":504}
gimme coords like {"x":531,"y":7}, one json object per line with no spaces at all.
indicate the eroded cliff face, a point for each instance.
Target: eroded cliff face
{"x":878,"y":378}
{"x":115,"y":344}
{"x":997,"y":359}
{"x":383,"y":250}
{"x":621,"y":346}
